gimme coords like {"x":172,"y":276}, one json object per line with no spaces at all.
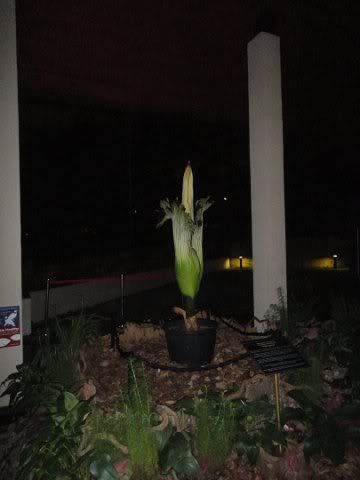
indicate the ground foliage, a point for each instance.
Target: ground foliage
{"x":70,"y":430}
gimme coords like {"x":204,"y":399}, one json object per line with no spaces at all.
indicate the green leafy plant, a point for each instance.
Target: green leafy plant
{"x":312,"y":378}
{"x":323,"y":434}
{"x":306,"y":334}
{"x":309,"y":378}
{"x":303,"y":303}
{"x":31,"y":387}
{"x":55,"y":451}
{"x":215,"y":431}
{"x":102,"y":468}
{"x":344,"y":338}
{"x":187,"y":226}
{"x":347,"y":418}
{"x":253,"y":422}
{"x":175,"y":454}
{"x":66,"y":446}
{"x":53,"y":368}
{"x":256,"y":428}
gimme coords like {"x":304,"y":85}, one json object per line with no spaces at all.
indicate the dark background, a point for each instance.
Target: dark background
{"x":116,"y":96}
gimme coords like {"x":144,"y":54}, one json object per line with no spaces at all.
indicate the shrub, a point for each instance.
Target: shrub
{"x":53,"y":368}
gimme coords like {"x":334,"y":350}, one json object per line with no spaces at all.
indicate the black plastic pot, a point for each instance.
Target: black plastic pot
{"x":193,"y":348}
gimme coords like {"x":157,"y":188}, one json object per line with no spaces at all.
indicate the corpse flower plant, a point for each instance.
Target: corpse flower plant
{"x":187,"y":228}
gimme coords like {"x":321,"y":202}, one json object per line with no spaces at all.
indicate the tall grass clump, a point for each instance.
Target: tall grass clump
{"x":215,"y":431}
{"x":140,"y":439}
{"x":62,"y":358}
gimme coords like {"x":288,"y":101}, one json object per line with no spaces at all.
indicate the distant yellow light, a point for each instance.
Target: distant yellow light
{"x":227,"y":264}
{"x":240,"y":262}
{"x":322,"y":262}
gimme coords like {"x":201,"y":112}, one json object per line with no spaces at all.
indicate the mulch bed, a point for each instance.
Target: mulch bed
{"x":108,"y":370}
{"x":106,"y":374}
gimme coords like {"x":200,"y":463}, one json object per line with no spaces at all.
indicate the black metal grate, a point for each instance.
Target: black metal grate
{"x":275,"y":354}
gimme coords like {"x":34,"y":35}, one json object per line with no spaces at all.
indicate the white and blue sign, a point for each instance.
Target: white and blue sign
{"x":9,"y":326}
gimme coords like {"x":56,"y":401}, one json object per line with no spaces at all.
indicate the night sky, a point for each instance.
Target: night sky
{"x":116,"y":96}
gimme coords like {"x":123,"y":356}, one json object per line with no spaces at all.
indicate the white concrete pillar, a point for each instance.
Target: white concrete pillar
{"x":10,"y":240}
{"x":267,"y":172}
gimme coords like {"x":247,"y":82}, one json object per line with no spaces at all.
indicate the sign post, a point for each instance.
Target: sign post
{"x":274,"y":355}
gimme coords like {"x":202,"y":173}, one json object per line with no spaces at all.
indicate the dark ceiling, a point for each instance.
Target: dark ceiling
{"x":126,"y":91}
{"x":190,"y":57}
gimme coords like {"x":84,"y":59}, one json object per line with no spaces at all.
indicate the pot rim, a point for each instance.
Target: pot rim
{"x":178,"y":325}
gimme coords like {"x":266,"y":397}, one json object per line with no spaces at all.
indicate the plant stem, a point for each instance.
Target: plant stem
{"x":190,"y":320}
{"x":189,"y":306}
